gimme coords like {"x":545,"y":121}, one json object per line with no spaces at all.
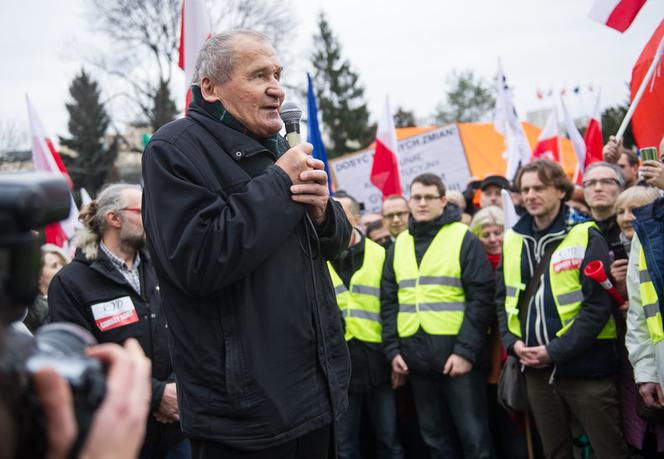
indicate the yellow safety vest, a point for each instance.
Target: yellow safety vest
{"x":431,"y":295}
{"x":650,"y":302}
{"x":360,"y":303}
{"x":564,"y":278}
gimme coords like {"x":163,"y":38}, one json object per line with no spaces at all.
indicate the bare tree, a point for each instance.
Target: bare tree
{"x":143,"y":39}
{"x":12,"y":137}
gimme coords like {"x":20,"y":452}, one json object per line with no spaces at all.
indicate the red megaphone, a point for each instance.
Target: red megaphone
{"x":595,"y":271}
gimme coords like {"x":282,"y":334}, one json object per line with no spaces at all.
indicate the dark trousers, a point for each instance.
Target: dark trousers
{"x":592,"y":402}
{"x":314,"y":445}
{"x":382,"y":410}
{"x":453,"y":415}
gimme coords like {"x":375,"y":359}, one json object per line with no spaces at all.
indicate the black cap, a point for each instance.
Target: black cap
{"x":497,"y":180}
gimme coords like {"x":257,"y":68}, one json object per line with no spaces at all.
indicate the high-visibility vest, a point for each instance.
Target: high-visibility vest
{"x":564,"y":279}
{"x":650,"y":302}
{"x":360,"y":303}
{"x":431,"y":295}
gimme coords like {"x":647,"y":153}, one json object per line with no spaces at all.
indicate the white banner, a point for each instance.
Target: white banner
{"x":439,"y":151}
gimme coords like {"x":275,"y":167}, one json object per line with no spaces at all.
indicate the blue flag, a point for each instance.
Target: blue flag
{"x":313,"y":132}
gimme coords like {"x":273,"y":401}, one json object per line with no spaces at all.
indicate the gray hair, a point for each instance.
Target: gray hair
{"x":93,"y":216}
{"x":491,"y":215}
{"x":618,"y":171}
{"x":217,"y":57}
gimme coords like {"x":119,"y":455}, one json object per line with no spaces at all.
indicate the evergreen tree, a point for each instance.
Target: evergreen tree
{"x":340,"y":96}
{"x":404,"y":118}
{"x":611,"y":119}
{"x":88,"y":122}
{"x":468,"y":99}
{"x":163,"y":107}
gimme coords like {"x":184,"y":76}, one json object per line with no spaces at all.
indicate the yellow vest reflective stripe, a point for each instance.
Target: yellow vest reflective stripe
{"x":564,"y":279}
{"x":361,"y":305}
{"x":650,"y":302}
{"x":431,"y":295}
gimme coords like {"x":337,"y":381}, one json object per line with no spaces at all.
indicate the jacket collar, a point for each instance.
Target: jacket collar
{"x":235,"y":139}
{"x":103,"y":265}
{"x":429,"y":229}
{"x":526,"y":225}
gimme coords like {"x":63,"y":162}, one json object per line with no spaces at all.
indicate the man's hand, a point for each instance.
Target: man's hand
{"x":312,"y":190}
{"x":294,"y":161}
{"x":457,"y":366}
{"x":398,"y":380}
{"x":652,"y":394}
{"x":653,"y":172}
{"x":612,"y":150}
{"x":168,"y":408}
{"x":118,"y":425}
{"x":536,"y":357}
{"x":399,"y":365}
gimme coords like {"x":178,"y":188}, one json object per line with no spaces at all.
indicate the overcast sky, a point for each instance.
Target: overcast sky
{"x":404,"y":49}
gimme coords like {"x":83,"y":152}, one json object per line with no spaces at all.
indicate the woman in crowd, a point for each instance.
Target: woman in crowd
{"x":52,"y":259}
{"x":635,"y":428}
{"x":509,"y":440}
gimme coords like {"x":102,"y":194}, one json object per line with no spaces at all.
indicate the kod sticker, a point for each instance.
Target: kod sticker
{"x":115,"y":313}
{"x":568,"y":258}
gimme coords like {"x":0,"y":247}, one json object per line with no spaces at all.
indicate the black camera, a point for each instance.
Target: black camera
{"x":29,"y":201}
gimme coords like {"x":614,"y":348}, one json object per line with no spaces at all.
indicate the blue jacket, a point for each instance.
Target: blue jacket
{"x":649,"y":226}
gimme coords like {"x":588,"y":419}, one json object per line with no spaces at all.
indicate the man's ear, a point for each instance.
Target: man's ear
{"x":207,"y":90}
{"x":113,"y":219}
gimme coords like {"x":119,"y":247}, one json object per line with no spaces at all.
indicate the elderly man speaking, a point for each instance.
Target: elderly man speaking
{"x":240,"y":227}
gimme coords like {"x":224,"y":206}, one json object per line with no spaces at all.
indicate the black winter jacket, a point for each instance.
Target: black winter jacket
{"x":82,"y":284}
{"x":426,"y":353}
{"x":577,"y":353}
{"x":257,"y":337}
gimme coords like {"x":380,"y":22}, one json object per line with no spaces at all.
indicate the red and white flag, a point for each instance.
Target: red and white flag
{"x":547,"y":143}
{"x":617,"y":14}
{"x":593,"y":137}
{"x":47,"y":159}
{"x":194,"y":32}
{"x":385,"y":168}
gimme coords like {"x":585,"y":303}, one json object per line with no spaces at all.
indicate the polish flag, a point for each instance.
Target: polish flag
{"x":617,"y":14}
{"x":194,"y":32}
{"x":385,"y":167}
{"x":547,"y":143}
{"x":593,"y":137}
{"x":47,"y":159}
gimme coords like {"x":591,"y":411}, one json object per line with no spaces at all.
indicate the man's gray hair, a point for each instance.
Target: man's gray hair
{"x":618,"y":171}
{"x":93,"y":216}
{"x":216,"y":58}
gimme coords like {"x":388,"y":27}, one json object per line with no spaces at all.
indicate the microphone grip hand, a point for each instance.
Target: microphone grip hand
{"x":296,"y":161}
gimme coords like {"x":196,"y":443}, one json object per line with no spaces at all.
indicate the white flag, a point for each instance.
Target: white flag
{"x":506,"y":121}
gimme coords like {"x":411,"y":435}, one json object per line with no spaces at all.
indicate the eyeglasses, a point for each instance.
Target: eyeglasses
{"x":426,"y":197}
{"x":132,"y":209}
{"x":394,"y":215}
{"x":602,"y":181}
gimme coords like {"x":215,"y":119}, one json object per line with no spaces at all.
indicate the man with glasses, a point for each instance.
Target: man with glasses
{"x":110,"y":289}
{"x":602,"y":183}
{"x":436,"y":296}
{"x":556,"y":320}
{"x":395,"y":214}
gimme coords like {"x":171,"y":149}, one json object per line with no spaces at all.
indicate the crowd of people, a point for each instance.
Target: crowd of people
{"x":280,"y":322}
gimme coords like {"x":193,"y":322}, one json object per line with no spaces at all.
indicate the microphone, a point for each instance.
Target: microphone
{"x":291,"y":115}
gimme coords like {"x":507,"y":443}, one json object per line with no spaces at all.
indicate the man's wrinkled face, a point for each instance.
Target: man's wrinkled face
{"x":395,"y":215}
{"x":253,"y":94}
{"x":601,"y":188}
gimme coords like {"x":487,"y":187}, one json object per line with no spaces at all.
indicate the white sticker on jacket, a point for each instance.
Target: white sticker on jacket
{"x":115,"y":313}
{"x":568,"y":258}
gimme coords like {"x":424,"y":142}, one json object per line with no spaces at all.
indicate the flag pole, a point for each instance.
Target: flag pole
{"x":639,"y":93}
